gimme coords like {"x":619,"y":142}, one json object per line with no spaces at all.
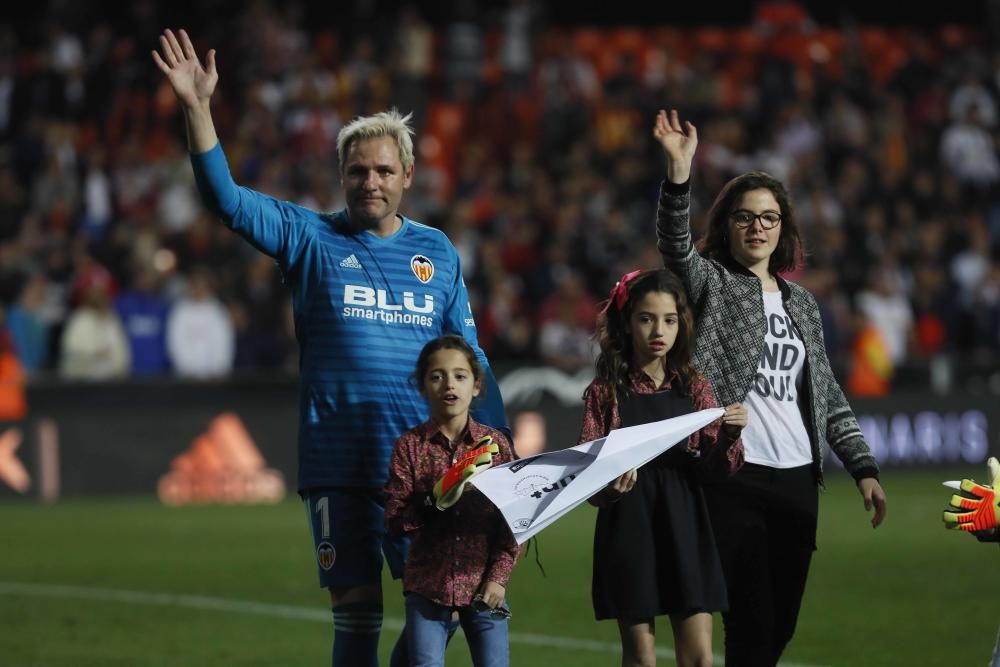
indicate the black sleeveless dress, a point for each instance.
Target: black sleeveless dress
{"x":654,"y":552}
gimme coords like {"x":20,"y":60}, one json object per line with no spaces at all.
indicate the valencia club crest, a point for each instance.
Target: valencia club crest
{"x":423,"y":268}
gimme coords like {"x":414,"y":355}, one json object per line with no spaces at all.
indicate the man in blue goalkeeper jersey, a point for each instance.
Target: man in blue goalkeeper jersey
{"x":369,"y":289}
{"x":976,"y":509}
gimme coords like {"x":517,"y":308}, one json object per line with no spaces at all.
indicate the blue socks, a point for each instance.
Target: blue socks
{"x":356,"y":628}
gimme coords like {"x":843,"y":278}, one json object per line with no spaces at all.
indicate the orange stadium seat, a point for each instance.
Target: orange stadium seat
{"x":589,"y":42}
{"x":632,"y":40}
{"x":677,"y":43}
{"x":444,"y":128}
{"x":884,"y":52}
{"x":492,"y":71}
{"x":711,"y":38}
{"x":325,"y":47}
{"x":746,"y":41}
{"x":826,"y":48}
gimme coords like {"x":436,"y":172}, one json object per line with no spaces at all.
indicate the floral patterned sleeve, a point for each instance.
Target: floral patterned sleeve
{"x":712,"y":440}
{"x":599,"y":417}
{"x":401,"y":514}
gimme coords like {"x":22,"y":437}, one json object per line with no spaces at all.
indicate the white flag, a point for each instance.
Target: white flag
{"x":532,"y":493}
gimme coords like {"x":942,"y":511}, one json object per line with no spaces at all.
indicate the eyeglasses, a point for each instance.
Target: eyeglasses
{"x":743,"y":218}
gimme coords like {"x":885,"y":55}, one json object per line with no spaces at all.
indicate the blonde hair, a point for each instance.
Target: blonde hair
{"x":383,"y":124}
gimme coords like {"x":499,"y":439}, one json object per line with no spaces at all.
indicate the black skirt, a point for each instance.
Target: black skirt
{"x":654,"y":551}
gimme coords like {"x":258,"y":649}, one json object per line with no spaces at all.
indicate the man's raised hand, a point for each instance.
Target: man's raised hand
{"x":192,"y":83}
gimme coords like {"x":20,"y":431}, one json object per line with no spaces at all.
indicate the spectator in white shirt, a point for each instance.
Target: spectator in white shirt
{"x":94,"y":346}
{"x":200,"y":337}
{"x":888,"y":309}
{"x":967,"y":150}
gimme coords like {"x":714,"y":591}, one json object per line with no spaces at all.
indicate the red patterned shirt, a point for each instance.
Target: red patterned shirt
{"x":455,"y":551}
{"x":600,"y":417}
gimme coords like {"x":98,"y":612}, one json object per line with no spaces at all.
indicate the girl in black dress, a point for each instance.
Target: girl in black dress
{"x":654,"y":553}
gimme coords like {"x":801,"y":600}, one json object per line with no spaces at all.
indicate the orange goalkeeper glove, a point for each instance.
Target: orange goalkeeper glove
{"x":977,"y":508}
{"x":449,"y":488}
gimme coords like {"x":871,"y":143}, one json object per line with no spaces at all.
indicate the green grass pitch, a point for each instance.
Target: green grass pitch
{"x":130,"y":582}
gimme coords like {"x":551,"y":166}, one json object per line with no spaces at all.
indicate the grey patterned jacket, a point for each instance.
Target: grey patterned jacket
{"x":729,"y":312}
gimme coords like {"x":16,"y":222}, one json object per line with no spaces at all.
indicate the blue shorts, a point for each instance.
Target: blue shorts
{"x":349,"y":536}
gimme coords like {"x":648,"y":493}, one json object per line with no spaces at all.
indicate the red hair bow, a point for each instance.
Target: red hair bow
{"x":619,"y":293}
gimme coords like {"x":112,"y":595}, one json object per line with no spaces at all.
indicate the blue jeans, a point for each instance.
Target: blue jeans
{"x":427,"y":631}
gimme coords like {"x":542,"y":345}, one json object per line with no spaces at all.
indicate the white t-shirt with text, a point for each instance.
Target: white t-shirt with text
{"x":775,"y":434}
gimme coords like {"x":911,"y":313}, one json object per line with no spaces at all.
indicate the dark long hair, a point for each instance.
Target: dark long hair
{"x":615,"y":336}
{"x":789,"y":252}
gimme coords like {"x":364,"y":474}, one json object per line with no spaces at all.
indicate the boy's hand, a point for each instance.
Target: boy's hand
{"x":492,"y":594}
{"x":449,"y":488}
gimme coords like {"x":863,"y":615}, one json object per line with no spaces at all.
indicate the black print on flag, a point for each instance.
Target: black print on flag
{"x":773,"y":379}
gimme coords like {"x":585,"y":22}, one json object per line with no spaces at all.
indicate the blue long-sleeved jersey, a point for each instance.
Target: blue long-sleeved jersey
{"x":364,"y":308}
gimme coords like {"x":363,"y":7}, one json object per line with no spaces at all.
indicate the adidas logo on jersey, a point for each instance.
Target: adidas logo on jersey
{"x":350,"y":263}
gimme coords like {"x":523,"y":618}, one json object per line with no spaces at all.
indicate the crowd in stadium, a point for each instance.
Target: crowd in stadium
{"x":534,"y":154}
